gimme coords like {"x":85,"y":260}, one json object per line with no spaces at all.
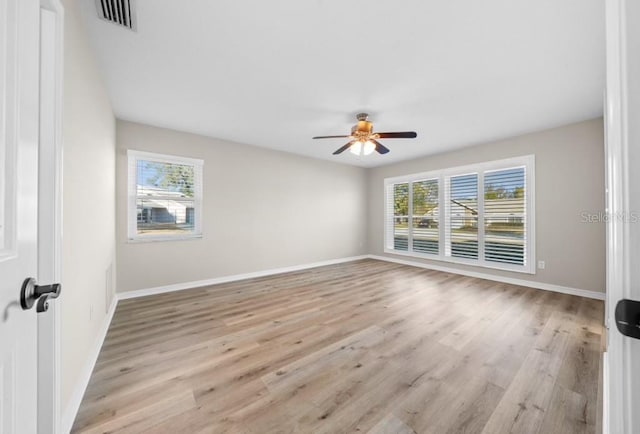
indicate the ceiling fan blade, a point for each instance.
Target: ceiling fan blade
{"x":330,"y":137}
{"x":399,"y":135}
{"x":344,"y":148}
{"x":380,"y":148}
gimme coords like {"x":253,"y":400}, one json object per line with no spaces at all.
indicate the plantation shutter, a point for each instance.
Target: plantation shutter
{"x":480,"y":214}
{"x":400,"y":217}
{"x":505,"y":219}
{"x":462,"y":216}
{"x":425,"y":217}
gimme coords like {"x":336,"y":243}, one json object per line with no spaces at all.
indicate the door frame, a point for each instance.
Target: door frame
{"x":50,"y":215}
{"x":616,"y":360}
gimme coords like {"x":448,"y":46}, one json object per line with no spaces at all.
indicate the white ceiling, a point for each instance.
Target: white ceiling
{"x":275,"y":73}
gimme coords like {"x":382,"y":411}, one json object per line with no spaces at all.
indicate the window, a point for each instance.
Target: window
{"x":401,"y":216}
{"x":462,"y":216}
{"x":425,"y":216}
{"x":504,"y":216}
{"x":165,"y":197}
{"x":486,"y":219}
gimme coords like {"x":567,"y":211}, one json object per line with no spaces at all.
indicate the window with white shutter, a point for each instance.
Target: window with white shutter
{"x":505,"y":216}
{"x":462,"y":216}
{"x":165,"y":197}
{"x":401,"y":216}
{"x":481,"y":214}
{"x":425,"y":212}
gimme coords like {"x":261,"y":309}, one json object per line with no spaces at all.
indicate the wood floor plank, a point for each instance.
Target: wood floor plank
{"x":452,"y":411}
{"x":523,"y":405}
{"x":581,"y":367}
{"x":390,"y":424}
{"x":365,"y":346}
{"x":568,"y":413}
{"x":145,"y":409}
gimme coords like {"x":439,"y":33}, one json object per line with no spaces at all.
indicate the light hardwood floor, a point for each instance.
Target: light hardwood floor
{"x":366,"y":346}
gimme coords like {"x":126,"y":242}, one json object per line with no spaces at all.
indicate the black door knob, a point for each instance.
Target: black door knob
{"x":32,"y":292}
{"x":628,"y":318}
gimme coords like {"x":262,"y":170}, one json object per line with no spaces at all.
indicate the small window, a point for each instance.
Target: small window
{"x":165,"y":197}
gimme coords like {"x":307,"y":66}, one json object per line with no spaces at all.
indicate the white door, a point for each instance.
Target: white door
{"x":19,"y":58}
{"x":622,"y":366}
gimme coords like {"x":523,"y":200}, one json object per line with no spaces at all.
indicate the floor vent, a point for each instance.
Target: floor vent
{"x":120,"y":12}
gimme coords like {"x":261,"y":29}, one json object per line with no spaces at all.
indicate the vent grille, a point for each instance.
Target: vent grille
{"x":120,"y":12}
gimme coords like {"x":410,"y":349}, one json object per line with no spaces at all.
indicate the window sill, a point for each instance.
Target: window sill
{"x":451,"y":260}
{"x":157,"y":239}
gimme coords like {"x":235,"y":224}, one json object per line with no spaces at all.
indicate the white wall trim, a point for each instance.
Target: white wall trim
{"x":50,"y":210}
{"x":70,"y":413}
{"x":619,"y":121}
{"x":225,"y":279}
{"x":510,"y":280}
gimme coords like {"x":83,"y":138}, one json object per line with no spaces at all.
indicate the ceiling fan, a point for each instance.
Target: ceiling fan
{"x":364,"y":141}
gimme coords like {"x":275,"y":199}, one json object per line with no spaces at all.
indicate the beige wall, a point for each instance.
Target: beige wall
{"x":88,"y":203}
{"x":262,"y":210}
{"x":569,"y":181}
{"x":266,"y":209}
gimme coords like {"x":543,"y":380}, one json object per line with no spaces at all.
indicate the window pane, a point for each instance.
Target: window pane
{"x":165,"y":202}
{"x":425,"y":216}
{"x":165,"y":217}
{"x":504,"y":220}
{"x":463,"y":218}
{"x":401,"y":216}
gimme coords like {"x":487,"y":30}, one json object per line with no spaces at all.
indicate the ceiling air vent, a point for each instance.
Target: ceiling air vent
{"x":120,"y":12}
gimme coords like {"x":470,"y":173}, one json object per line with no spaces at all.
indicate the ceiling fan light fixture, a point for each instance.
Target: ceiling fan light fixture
{"x":363,"y":140}
{"x":368,"y":148}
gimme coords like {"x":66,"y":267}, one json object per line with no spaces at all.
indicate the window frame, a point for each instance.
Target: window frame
{"x":444,"y":176}
{"x":133,"y":156}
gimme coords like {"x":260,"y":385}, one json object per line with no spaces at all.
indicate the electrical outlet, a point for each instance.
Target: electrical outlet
{"x":541,"y":265}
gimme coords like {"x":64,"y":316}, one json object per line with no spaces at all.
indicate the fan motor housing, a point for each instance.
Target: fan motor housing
{"x":363,"y":127}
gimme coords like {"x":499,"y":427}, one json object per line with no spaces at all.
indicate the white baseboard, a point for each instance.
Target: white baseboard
{"x":70,"y":413}
{"x":233,"y":278}
{"x":502,"y":279}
